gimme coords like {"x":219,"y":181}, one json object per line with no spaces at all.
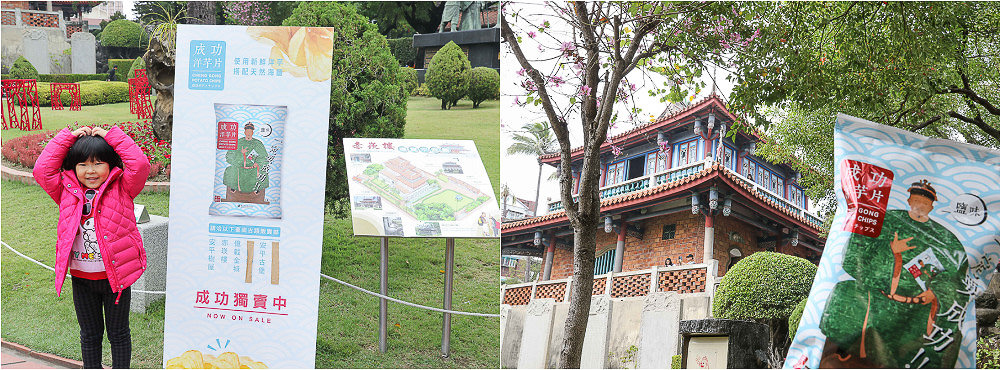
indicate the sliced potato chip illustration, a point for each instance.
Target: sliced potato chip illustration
{"x":194,"y":359}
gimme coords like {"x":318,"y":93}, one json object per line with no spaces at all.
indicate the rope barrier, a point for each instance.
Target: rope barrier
{"x":321,"y":274}
{"x":411,"y":304}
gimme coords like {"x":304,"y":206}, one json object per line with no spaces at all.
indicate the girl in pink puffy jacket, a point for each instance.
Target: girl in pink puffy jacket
{"x":94,"y":175}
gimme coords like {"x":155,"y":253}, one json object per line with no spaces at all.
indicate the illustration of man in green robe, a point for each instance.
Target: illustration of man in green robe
{"x":247,"y":171}
{"x":884,"y":317}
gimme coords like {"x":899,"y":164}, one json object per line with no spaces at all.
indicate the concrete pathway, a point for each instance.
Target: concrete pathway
{"x":16,"y":356}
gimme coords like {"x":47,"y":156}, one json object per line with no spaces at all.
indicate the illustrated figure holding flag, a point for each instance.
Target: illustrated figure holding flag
{"x":905,"y":303}
{"x":247,"y":171}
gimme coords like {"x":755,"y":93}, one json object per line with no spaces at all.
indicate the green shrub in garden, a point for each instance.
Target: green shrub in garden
{"x":22,"y":69}
{"x":485,"y":84}
{"x":137,"y":64}
{"x":764,"y":285}
{"x":71,"y":77}
{"x":366,"y":96}
{"x":91,"y":93}
{"x":409,"y":77}
{"x":675,"y":362}
{"x":448,"y":75}
{"x":402,"y":49}
{"x":123,"y":68}
{"x":421,"y":90}
{"x":124,"y":33}
{"x":988,"y":352}
{"x":795,"y":318}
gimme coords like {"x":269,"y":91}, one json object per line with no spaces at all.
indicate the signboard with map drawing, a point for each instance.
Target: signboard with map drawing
{"x":420,"y":188}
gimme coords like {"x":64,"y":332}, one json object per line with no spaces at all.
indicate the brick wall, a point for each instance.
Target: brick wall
{"x":31,"y":19}
{"x":9,"y":18}
{"x":73,"y":28}
{"x":689,"y":238}
{"x":15,"y":5}
{"x":731,"y":232}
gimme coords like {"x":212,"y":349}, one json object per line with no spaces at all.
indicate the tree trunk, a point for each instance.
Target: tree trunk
{"x":584,"y":242}
{"x":160,"y":60}
{"x":202,"y":11}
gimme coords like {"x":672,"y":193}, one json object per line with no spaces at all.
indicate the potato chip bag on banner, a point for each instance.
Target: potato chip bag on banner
{"x":915,"y":238}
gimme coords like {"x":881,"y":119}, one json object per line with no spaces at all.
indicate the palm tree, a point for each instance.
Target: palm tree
{"x":536,"y":140}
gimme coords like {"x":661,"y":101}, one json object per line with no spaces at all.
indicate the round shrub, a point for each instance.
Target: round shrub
{"x":137,"y":64}
{"x":448,"y":75}
{"x":124,"y":33}
{"x":485,"y":84}
{"x":409,"y":77}
{"x":366,"y":94}
{"x":795,"y":318}
{"x":764,"y":285}
{"x":22,"y":69}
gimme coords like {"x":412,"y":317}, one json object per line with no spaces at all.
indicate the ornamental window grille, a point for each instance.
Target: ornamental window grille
{"x":605,"y":263}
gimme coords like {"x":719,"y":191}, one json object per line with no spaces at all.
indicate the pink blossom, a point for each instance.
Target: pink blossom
{"x":567,"y":48}
{"x":529,"y":85}
{"x":532,"y":34}
{"x":584,"y":90}
{"x":517,"y":101}
{"x":617,"y":151}
{"x":521,"y":71}
{"x":556,"y":80}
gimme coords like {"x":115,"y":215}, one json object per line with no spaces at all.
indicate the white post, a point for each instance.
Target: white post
{"x":652,"y":280}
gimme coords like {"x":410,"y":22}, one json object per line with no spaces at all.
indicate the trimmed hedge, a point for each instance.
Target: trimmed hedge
{"x":764,"y":285}
{"x":124,"y":33}
{"x":485,"y":84}
{"x":22,"y":69}
{"x":448,"y":74}
{"x":123,"y":68}
{"x":795,"y":318}
{"x":409,"y":77}
{"x":138,"y":63}
{"x":402,"y":49}
{"x":72,"y":77}
{"x":91,"y":93}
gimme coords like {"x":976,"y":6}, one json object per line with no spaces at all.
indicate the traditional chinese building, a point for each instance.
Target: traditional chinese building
{"x":680,"y":204}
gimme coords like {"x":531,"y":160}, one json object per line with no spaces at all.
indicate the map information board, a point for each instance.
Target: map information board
{"x":420,"y":188}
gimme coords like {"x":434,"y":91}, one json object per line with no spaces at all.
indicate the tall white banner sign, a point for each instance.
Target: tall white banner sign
{"x":251,"y":113}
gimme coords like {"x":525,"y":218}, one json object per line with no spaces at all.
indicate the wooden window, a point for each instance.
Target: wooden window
{"x":605,"y":263}
{"x":669,"y":231}
{"x":688,"y":152}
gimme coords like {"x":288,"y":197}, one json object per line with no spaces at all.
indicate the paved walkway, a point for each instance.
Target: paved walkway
{"x":16,"y":356}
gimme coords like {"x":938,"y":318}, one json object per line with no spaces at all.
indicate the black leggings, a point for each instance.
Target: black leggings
{"x":95,"y":309}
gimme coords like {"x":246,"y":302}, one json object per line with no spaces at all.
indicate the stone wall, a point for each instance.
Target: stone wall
{"x":46,"y":48}
{"x":640,"y":332}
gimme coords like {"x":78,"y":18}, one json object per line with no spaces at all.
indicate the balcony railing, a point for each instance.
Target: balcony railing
{"x":674,"y":174}
{"x":641,"y":183}
{"x":683,"y":279}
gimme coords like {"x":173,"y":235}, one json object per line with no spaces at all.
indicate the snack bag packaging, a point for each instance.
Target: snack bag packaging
{"x":915,"y":238}
{"x":248,"y":157}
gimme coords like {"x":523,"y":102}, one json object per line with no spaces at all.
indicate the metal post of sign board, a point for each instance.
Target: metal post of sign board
{"x":449,"y":256}
{"x":383,"y":304}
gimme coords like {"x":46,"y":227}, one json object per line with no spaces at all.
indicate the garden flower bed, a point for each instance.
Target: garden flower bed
{"x":24,"y":150}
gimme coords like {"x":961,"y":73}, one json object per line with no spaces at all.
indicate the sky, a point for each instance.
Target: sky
{"x":520,"y":172}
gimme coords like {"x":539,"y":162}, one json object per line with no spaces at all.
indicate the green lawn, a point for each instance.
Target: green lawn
{"x":88,"y":114}
{"x":348,"y":324}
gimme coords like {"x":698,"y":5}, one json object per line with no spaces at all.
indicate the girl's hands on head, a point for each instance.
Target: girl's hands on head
{"x":99,"y":132}
{"x":83,"y":131}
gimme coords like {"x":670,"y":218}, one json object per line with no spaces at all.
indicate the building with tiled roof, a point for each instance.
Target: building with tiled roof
{"x":680,"y":204}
